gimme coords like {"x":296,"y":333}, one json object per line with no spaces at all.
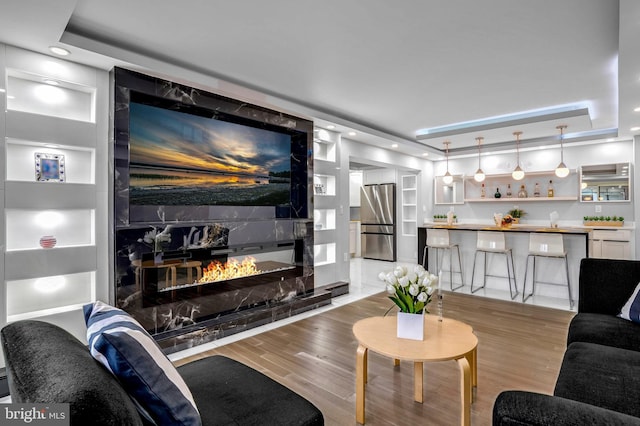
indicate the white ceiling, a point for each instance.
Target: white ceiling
{"x":384,"y":69}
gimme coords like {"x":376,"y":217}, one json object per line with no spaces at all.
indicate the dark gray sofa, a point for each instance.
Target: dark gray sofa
{"x":46,"y":364}
{"x":599,"y":379}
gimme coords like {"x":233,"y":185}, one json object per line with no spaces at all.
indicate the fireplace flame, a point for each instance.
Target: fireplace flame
{"x":232,"y":268}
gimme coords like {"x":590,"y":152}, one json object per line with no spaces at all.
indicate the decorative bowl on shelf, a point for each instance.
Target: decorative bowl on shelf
{"x":48,"y":241}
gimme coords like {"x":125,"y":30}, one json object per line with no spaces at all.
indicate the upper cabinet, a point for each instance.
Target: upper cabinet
{"x":605,"y":182}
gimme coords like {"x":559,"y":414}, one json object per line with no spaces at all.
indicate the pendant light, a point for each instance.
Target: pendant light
{"x":479,"y":176}
{"x":447,"y":179}
{"x":562,"y":170}
{"x":518,"y":173}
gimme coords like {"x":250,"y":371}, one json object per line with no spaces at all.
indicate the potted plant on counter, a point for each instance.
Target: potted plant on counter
{"x":603,"y":221}
{"x":516,"y":214}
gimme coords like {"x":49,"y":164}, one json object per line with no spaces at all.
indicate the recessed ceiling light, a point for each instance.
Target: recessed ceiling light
{"x":2,"y":90}
{"x":637,"y":109}
{"x":51,"y":145}
{"x":352,"y":133}
{"x":395,"y":145}
{"x":51,"y":82}
{"x":635,"y":129}
{"x":425,"y":154}
{"x":59,"y":50}
{"x":331,"y":127}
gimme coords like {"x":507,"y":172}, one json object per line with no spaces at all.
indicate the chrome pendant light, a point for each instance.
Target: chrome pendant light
{"x":518,"y":173}
{"x":562,"y":170}
{"x":447,"y":179}
{"x":479,"y":176}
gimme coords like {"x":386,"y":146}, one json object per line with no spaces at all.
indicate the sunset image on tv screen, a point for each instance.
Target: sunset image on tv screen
{"x":176,"y":158}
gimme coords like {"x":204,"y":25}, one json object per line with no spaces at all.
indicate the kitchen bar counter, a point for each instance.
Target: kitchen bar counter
{"x":513,"y":228}
{"x":422,"y":235}
{"x":576,"y":243}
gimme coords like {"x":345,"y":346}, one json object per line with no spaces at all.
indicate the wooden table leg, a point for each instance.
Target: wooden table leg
{"x":471,"y":359}
{"x":465,"y":391}
{"x":417,"y":381}
{"x":474,"y":368}
{"x":361,"y":375}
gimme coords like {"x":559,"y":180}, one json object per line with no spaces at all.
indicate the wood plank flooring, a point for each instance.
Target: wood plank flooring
{"x":520,"y":347}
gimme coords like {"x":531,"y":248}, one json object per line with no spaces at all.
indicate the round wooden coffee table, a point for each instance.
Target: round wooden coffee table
{"x":443,"y":341}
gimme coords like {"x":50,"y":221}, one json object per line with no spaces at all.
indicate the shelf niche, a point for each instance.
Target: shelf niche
{"x":35,"y":297}
{"x":79,"y":167}
{"x":565,"y":189}
{"x":71,"y":228}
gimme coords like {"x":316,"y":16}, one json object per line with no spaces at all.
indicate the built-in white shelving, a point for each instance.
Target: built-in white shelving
{"x":324,"y":254}
{"x":492,"y":199}
{"x":325,"y":193}
{"x":409,"y":205}
{"x":50,"y":241}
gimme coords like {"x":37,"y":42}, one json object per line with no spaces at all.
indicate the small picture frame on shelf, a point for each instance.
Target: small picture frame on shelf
{"x":49,"y":167}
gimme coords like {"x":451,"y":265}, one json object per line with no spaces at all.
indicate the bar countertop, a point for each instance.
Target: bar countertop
{"x":513,"y":228}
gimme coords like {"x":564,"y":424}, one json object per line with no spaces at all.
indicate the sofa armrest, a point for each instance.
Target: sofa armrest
{"x":606,"y":284}
{"x":45,"y":364}
{"x":527,"y":408}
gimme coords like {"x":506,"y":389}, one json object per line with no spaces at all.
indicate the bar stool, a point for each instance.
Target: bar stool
{"x":545,"y":245}
{"x":438,"y":239}
{"x":494,"y":243}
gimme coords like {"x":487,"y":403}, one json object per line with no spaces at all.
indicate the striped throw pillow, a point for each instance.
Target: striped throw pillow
{"x":631,"y":310}
{"x":124,"y":347}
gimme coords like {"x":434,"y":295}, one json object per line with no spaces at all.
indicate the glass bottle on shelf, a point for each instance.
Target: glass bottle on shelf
{"x":508,"y":194}
{"x":482,"y":192}
{"x":550,"y":190}
{"x":523,"y":192}
{"x":536,"y":190}
{"x":497,"y":194}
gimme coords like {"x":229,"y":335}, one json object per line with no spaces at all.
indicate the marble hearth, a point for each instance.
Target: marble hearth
{"x":162,"y":278}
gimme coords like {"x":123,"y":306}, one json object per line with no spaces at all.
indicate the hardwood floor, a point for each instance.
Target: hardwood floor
{"x":520,"y":347}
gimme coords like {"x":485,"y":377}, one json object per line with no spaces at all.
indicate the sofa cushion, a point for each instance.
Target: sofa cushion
{"x":121,"y":344}
{"x":631,"y":310}
{"x":235,"y":394}
{"x":605,"y":330}
{"x":601,"y":375}
{"x":46,"y":364}
{"x":519,"y":408}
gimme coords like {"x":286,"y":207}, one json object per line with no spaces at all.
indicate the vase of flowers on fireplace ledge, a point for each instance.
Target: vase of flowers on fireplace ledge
{"x":411,"y":289}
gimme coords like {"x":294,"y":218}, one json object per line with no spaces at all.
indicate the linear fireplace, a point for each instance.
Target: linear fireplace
{"x":179,"y":275}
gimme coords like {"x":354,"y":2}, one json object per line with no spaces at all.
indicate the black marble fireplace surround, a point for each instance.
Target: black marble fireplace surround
{"x":162,"y":252}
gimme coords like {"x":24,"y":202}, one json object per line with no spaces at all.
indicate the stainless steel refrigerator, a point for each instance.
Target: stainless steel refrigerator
{"x":378,"y":217}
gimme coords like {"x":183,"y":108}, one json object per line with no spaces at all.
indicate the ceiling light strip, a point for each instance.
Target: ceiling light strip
{"x":516,"y":119}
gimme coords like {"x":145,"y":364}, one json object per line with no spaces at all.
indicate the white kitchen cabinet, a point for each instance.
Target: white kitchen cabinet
{"x":611,"y":243}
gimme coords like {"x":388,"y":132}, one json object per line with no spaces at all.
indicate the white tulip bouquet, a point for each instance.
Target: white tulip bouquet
{"x":411,"y":290}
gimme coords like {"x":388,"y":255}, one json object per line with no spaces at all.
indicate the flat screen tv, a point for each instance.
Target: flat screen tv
{"x":184,"y":155}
